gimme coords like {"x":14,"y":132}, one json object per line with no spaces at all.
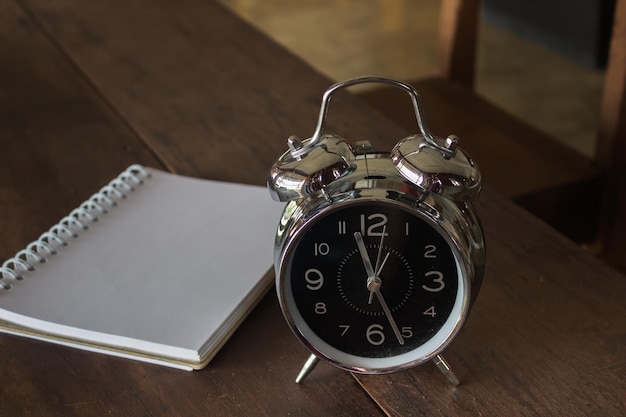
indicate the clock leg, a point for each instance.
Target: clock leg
{"x":309,"y":365}
{"x":445,"y":369}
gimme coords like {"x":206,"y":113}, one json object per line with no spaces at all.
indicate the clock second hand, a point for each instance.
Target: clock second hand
{"x":374,"y":283}
{"x":378,"y":266}
{"x":377,"y":276}
{"x":380,"y":250}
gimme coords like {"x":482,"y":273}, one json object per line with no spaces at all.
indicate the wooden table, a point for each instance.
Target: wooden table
{"x":87,"y":88}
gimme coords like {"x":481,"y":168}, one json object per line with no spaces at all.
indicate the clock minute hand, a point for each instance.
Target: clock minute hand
{"x":394,"y":326}
{"x":374,"y":283}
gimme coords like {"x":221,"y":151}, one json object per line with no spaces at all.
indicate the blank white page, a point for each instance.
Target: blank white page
{"x":161,"y":270}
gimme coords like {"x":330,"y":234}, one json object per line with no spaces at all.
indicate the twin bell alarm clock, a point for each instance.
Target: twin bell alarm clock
{"x":378,"y":256}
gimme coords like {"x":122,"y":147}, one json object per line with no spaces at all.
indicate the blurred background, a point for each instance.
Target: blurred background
{"x":532,"y":78}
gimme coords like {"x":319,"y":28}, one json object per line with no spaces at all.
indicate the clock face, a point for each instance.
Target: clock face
{"x":374,"y":286}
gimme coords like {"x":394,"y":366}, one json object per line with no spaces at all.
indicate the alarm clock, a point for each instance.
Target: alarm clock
{"x":378,"y":255}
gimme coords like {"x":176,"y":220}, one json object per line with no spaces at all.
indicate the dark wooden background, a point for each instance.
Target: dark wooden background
{"x":88,"y":88}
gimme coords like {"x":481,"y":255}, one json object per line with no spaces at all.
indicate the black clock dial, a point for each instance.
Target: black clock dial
{"x":404,"y":300}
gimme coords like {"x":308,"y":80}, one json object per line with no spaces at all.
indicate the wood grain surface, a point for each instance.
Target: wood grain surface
{"x":89,"y":87}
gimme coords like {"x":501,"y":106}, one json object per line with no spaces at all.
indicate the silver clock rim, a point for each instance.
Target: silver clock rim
{"x":353,"y":363}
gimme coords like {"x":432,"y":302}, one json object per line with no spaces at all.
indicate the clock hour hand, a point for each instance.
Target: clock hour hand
{"x":364,"y":256}
{"x":379,"y":266}
{"x":374,"y":282}
{"x":371,"y":274}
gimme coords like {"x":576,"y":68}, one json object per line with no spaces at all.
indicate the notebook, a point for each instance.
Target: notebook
{"x":155,"y":266}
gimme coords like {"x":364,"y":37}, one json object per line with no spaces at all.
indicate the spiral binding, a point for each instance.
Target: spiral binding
{"x":60,"y":234}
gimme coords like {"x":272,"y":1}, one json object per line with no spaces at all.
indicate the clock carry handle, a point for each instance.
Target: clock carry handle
{"x":434,"y":165}
{"x":299,"y":149}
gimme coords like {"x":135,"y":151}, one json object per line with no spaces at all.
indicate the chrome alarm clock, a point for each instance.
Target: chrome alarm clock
{"x":378,"y":256}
